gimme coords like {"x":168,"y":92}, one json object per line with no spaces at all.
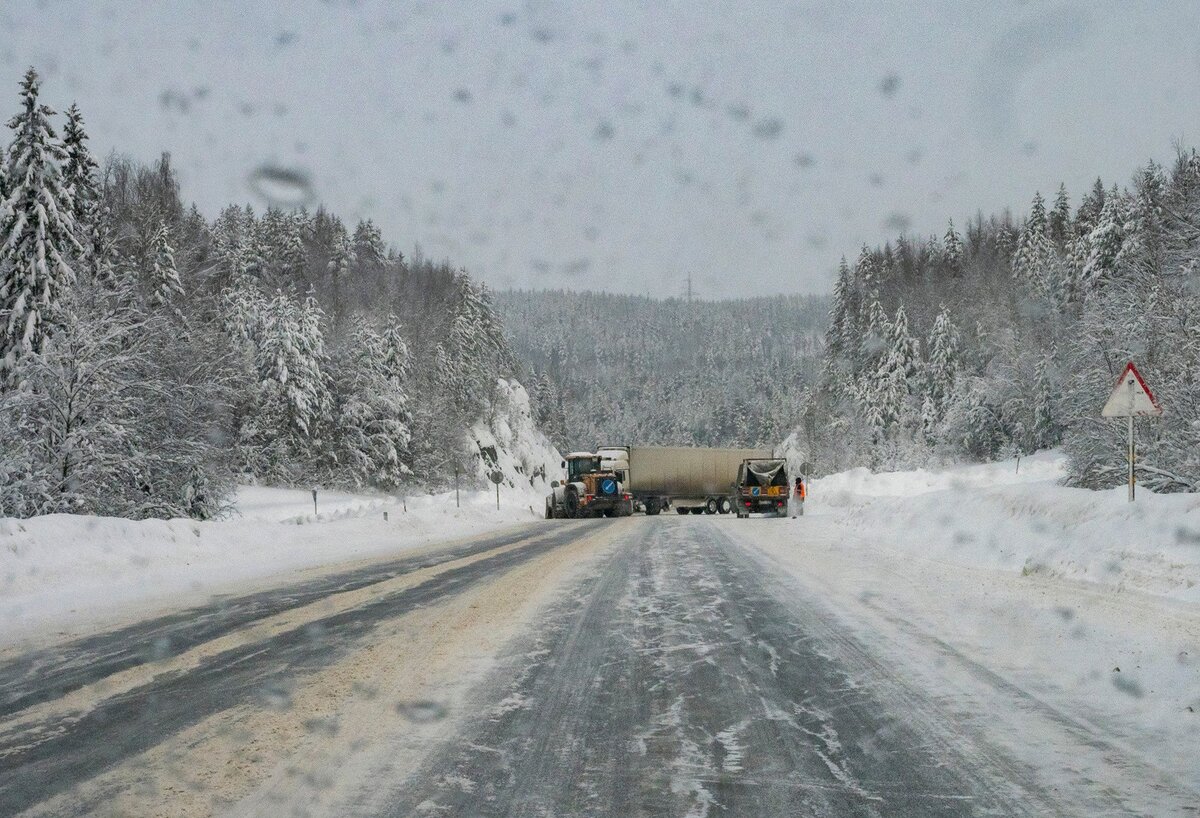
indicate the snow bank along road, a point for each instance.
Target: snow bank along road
{"x":649,"y":666}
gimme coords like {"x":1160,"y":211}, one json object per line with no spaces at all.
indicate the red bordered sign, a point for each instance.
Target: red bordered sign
{"x":1131,"y":397}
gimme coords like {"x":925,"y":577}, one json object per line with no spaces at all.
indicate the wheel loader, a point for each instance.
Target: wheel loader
{"x":589,"y":490}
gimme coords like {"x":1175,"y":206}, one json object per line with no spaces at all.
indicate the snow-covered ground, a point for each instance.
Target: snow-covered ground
{"x":72,"y":572}
{"x":65,"y":571}
{"x":999,"y":515}
{"x":1071,"y":616}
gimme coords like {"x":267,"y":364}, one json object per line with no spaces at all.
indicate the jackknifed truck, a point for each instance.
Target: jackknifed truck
{"x":690,"y":480}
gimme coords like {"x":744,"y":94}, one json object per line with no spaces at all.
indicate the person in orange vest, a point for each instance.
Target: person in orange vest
{"x":798,"y":496}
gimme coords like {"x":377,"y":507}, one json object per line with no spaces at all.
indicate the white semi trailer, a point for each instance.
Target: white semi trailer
{"x":687,"y":479}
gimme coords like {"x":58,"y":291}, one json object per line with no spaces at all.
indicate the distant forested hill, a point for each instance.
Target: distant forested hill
{"x":616,"y":368}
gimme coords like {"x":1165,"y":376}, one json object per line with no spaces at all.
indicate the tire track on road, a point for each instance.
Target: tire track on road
{"x":675,"y":682}
{"x":40,"y":760}
{"x":46,"y":674}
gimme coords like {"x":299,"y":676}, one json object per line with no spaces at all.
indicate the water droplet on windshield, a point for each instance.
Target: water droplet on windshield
{"x":284,"y":188}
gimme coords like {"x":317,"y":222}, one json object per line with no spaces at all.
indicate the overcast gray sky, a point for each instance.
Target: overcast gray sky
{"x":620,"y":145}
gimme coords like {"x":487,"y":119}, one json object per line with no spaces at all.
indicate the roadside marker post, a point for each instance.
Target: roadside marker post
{"x":1131,"y":398}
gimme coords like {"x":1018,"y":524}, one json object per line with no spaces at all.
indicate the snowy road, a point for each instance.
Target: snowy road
{"x":652,"y":666}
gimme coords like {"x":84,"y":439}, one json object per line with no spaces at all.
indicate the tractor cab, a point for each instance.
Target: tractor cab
{"x":591,"y":490}
{"x":581,"y":464}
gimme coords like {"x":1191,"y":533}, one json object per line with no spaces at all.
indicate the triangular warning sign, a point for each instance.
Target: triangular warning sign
{"x":1131,"y":397}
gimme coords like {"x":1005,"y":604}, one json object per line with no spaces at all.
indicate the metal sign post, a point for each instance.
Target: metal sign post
{"x":1131,"y":398}
{"x":497,"y":477}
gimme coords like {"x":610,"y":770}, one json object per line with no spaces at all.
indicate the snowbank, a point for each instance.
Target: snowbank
{"x":68,"y":570}
{"x":997,"y":516}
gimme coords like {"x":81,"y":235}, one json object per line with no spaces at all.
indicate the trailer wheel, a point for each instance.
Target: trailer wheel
{"x":697,"y":509}
{"x":711,"y":506}
{"x":653,"y":507}
{"x":724,"y":506}
{"x":681,"y":510}
{"x":549,"y":509}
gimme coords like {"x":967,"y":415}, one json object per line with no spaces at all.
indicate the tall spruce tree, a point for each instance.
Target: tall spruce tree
{"x":953,"y":248}
{"x":38,"y":238}
{"x":165,"y":286}
{"x":1058,"y":220}
{"x":80,"y":177}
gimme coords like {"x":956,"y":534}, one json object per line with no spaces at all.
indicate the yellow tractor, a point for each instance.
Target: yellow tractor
{"x":589,"y":490}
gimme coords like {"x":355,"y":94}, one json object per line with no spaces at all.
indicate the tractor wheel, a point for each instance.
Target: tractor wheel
{"x":652,"y":507}
{"x":571,"y":502}
{"x":549,"y":509}
{"x":697,"y":509}
{"x":710,"y":507}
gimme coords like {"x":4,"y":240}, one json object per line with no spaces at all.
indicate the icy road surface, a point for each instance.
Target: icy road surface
{"x":651,"y":666}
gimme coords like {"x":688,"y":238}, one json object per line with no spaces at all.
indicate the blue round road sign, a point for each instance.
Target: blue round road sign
{"x":609,"y":486}
{"x":754,"y":491}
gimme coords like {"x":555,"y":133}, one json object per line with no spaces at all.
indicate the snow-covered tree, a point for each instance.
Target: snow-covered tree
{"x":80,"y":177}
{"x":292,"y":399}
{"x":371,"y":422}
{"x":1045,"y":430}
{"x":953,"y":250}
{"x":37,"y":231}
{"x":1058,"y":220}
{"x":941,"y":370}
{"x":1035,"y":261}
{"x":1104,"y":244}
{"x":166,"y":289}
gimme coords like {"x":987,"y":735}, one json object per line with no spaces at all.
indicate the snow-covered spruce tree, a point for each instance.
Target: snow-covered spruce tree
{"x":548,"y":410}
{"x":1104,"y":243}
{"x":953,"y":250}
{"x":338,"y":270}
{"x":289,"y":249}
{"x":942,"y":368}
{"x":1035,"y":260}
{"x":371,"y":422}
{"x":166,"y":289}
{"x":1058,"y":220}
{"x":844,"y":335}
{"x":37,"y":232}
{"x":370,"y":276}
{"x":1046,"y":431}
{"x":81,"y":177}
{"x":290,"y":404}
{"x":898,"y":376}
{"x":868,"y":393}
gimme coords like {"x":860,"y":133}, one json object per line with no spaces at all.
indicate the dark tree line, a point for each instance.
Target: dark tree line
{"x":151,"y":359}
